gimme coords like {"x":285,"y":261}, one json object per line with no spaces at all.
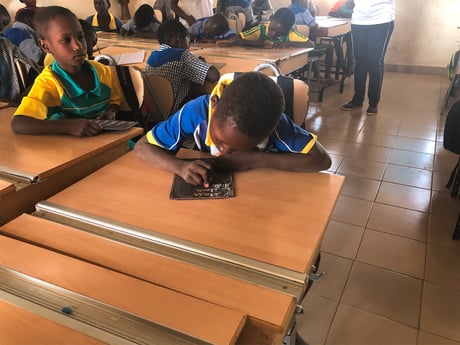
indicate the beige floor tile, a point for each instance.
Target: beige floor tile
{"x":342,"y":239}
{"x":353,"y":326}
{"x":411,"y":159}
{"x":418,"y":145}
{"x":445,"y":162}
{"x":399,"y":221}
{"x":385,"y":293}
{"x":358,"y":167}
{"x":336,"y":271}
{"x":404,"y":196}
{"x":440,"y":179}
{"x":370,"y":152}
{"x":442,"y":266}
{"x":441,"y":311}
{"x":336,"y":161}
{"x":419,"y":133}
{"x":335,"y":146}
{"x":425,"y":338}
{"x":351,"y":210}
{"x":392,"y":252}
{"x":313,"y":325}
{"x":441,"y":228}
{"x":382,"y":125}
{"x":372,"y":138}
{"x":408,"y":176}
{"x":360,"y":187}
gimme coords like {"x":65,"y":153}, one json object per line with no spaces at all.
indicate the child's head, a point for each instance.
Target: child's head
{"x":102,"y":6}
{"x":173,"y":33}
{"x":26,"y":16}
{"x":143,"y":16}
{"x":4,"y":17}
{"x":216,"y":25}
{"x":59,"y":33}
{"x":90,"y":37}
{"x":29,"y":3}
{"x":280,"y":23}
{"x":247,"y":112}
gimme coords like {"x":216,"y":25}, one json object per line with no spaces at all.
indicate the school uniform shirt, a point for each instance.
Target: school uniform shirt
{"x":302,"y":16}
{"x":192,"y":121}
{"x":152,"y":27}
{"x":260,"y":32}
{"x":23,"y":36}
{"x":114,"y":25}
{"x":197,"y":30}
{"x":55,"y":95}
{"x":373,"y":12}
{"x":180,"y":67}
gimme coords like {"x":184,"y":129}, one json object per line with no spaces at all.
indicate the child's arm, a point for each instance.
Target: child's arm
{"x":76,"y":127}
{"x":179,"y":12}
{"x":213,"y":74}
{"x":194,"y":172}
{"x":315,"y":160}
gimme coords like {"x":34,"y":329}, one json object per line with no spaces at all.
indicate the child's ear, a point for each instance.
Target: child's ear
{"x":44,"y":45}
{"x":214,"y":100}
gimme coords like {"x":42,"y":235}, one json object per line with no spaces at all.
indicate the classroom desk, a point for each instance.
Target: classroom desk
{"x":43,"y":165}
{"x":115,"y":302}
{"x":262,"y":235}
{"x":331,"y":27}
{"x":6,"y":187}
{"x":269,"y":313}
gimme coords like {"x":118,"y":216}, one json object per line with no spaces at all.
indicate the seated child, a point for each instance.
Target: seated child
{"x":242,"y":124}
{"x":30,"y":4}
{"x":304,"y":16}
{"x":143,"y":24}
{"x":4,"y":18}
{"x":279,"y":32}
{"x":103,"y":20}
{"x":211,"y":28}
{"x":174,"y":61}
{"x":229,"y":7}
{"x":90,"y":38}
{"x":70,"y":91}
{"x":22,"y":34}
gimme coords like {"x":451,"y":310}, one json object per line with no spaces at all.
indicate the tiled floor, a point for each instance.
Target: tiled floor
{"x":392,"y":271}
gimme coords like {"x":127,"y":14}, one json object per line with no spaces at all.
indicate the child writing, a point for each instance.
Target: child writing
{"x":242,"y":124}
{"x":143,"y":24}
{"x":174,"y":61}
{"x":277,"y":33}
{"x":211,"y":28}
{"x":71,"y":90}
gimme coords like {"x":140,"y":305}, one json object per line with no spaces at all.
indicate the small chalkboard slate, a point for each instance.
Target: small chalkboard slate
{"x":221,"y":187}
{"x":115,"y":125}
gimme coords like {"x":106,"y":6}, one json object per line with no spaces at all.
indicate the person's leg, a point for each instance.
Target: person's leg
{"x":360,"y":50}
{"x":379,"y":36}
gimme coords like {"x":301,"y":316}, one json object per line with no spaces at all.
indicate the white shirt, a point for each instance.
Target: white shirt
{"x":197,"y":8}
{"x":371,"y":12}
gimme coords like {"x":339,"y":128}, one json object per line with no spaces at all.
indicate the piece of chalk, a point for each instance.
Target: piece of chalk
{"x":67,"y":310}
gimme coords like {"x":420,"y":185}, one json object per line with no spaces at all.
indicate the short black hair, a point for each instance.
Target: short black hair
{"x":45,"y":15}
{"x":143,"y":16}
{"x":171,"y":28}
{"x":25,"y":16}
{"x":5,"y":17}
{"x":253,"y":103}
{"x":285,"y":17}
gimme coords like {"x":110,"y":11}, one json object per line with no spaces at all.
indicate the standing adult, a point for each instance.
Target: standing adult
{"x":372,"y":24}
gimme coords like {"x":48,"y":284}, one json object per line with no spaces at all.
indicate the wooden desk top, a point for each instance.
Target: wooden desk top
{"x":176,"y":311}
{"x":270,"y":308}
{"x":44,"y":155}
{"x":20,"y":326}
{"x":276,"y":217}
{"x":6,"y":187}
{"x":331,"y":27}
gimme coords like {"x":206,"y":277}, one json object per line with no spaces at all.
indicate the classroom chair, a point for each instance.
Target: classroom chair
{"x":160,"y":95}
{"x":236,"y":22}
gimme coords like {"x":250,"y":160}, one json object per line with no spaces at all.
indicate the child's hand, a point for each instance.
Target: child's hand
{"x":195,"y":172}
{"x":82,"y":128}
{"x":107,"y":115}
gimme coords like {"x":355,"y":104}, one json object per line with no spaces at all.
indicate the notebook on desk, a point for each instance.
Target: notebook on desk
{"x":128,"y":58}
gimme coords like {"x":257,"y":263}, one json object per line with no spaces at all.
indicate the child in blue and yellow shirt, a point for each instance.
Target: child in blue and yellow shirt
{"x":72,"y":89}
{"x":242,"y":124}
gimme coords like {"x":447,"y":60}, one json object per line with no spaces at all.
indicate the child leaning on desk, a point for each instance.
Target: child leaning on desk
{"x":242,"y":124}
{"x":72,"y":89}
{"x":279,"y":32}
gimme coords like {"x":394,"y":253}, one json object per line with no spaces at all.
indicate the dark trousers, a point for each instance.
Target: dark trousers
{"x":370,"y":43}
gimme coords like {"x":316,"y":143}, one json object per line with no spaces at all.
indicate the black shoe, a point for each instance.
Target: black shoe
{"x":351,"y":105}
{"x":371,"y":110}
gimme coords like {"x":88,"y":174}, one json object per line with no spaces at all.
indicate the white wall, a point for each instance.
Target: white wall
{"x":425,"y":32}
